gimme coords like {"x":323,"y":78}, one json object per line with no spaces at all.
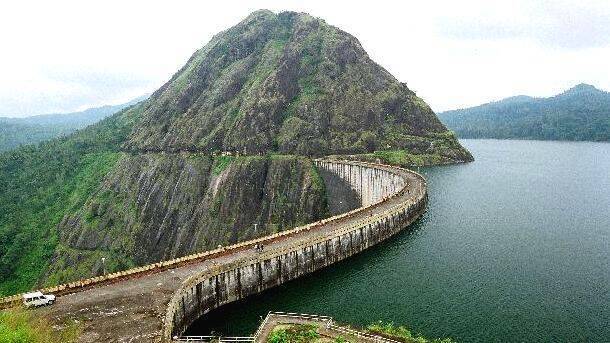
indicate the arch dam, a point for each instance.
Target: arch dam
{"x":157,"y":302}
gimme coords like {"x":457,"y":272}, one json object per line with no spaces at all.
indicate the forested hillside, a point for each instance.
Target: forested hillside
{"x":581,"y":113}
{"x":41,"y":184}
{"x":31,"y":130}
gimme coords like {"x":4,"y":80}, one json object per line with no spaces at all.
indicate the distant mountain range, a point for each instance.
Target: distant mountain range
{"x":582,"y":113}
{"x":30,"y":130}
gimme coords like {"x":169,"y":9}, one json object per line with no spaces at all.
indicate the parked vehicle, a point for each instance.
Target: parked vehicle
{"x":36,"y":299}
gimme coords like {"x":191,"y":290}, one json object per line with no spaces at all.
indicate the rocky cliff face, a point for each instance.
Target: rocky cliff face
{"x":154,"y":207}
{"x":289,"y":83}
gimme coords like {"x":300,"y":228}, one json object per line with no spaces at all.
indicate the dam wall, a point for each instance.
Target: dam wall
{"x":392,"y":198}
{"x":371,"y":184}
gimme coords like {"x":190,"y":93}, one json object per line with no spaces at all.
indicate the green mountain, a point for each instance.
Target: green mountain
{"x":581,"y":113}
{"x":147,"y":184}
{"x":15,"y":132}
{"x":288,"y":83}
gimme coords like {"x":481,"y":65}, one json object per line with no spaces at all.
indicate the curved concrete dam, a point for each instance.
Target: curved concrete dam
{"x":159,"y":301}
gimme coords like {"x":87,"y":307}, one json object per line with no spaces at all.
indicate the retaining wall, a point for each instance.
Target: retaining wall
{"x":376,"y":185}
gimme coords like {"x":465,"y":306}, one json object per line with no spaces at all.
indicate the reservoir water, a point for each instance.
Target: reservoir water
{"x":514,"y":247}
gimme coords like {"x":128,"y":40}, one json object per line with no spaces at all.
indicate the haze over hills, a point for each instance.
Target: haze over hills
{"x":31,"y":130}
{"x":581,"y":113}
{"x":147,"y":184}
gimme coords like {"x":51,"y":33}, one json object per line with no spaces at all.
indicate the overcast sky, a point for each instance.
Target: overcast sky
{"x":59,"y":56}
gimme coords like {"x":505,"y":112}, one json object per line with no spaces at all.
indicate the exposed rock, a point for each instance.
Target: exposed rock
{"x":154,"y":207}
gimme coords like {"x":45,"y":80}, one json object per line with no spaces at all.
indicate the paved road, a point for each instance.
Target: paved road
{"x":133,"y":310}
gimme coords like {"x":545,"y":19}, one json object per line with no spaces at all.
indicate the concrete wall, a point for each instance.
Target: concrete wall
{"x":371,"y":184}
{"x":375,"y":184}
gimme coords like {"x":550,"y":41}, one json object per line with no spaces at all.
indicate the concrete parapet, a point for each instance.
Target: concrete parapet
{"x":392,"y":199}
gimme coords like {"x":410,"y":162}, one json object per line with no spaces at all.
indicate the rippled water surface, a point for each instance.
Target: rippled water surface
{"x":513,"y":248}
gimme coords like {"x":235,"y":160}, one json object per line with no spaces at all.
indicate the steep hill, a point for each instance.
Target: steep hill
{"x":69,"y":202}
{"x":289,"y":83}
{"x":144,"y":185}
{"x":581,"y":113}
{"x":31,"y":130}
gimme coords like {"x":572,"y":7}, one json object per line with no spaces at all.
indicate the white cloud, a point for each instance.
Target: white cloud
{"x":557,"y":24}
{"x":65,"y":55}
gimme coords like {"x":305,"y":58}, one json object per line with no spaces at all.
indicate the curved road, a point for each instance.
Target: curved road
{"x":133,"y":310}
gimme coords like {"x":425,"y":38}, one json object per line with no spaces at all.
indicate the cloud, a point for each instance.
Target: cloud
{"x":69,"y":54}
{"x":101,"y":84}
{"x":558,"y":24}
{"x":65,"y":89}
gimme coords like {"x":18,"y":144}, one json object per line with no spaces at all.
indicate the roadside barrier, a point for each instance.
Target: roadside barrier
{"x":80,"y":285}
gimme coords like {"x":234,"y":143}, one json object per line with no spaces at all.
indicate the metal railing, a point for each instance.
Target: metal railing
{"x":220,"y":339}
{"x":329,"y":325}
{"x":300,"y":316}
{"x":360,"y":334}
{"x":289,"y":315}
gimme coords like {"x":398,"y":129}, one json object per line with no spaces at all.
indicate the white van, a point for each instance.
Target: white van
{"x":36,"y":299}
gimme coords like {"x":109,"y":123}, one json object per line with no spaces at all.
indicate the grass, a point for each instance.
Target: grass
{"x":21,"y":326}
{"x":404,"y":158}
{"x":294,"y":334}
{"x":221,"y":163}
{"x":301,"y":333}
{"x":401,"y":333}
{"x":271,"y":55}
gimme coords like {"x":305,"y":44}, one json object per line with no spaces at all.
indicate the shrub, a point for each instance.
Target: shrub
{"x":401,"y":333}
{"x":294,"y":334}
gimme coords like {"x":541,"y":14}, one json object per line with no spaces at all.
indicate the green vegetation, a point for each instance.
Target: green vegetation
{"x":40,"y":185}
{"x":401,"y":333}
{"x":317,"y":181}
{"x":434,"y":149}
{"x":46,"y":189}
{"x":302,"y":333}
{"x":403,"y":158}
{"x":19,"y":326}
{"x":268,"y":63}
{"x":15,"y":132}
{"x":294,"y":334}
{"x":581,"y":113}
{"x":221,"y":163}
{"x":292,"y":84}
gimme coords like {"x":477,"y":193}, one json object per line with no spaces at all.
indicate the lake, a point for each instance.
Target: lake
{"x":514,"y":247}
